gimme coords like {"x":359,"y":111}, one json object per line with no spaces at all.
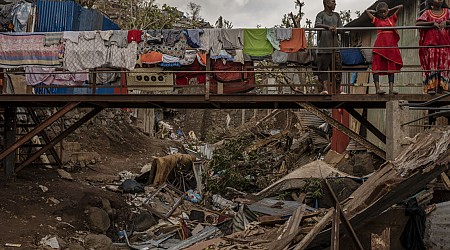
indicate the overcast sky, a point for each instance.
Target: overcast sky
{"x":267,"y":13}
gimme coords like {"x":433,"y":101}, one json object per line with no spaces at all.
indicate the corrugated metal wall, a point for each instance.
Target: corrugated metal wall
{"x":56,"y":16}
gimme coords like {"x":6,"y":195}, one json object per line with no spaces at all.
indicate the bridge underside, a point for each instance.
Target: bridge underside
{"x":235,"y":101}
{"x":312,"y":103}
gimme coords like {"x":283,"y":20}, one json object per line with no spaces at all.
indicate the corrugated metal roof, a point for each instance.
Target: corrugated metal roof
{"x":55,"y":16}
{"x":309,"y":120}
{"x":90,"y":20}
{"x":108,"y":24}
{"x":438,"y":227}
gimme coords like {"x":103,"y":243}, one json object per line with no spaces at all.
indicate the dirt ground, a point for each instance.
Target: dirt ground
{"x":27,"y":213}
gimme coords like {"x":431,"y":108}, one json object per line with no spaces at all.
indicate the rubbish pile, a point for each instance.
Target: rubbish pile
{"x":268,"y":185}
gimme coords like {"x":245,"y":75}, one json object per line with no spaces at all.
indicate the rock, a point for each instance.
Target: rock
{"x":64,"y":174}
{"x":144,"y":221}
{"x":98,"y":220}
{"x":98,"y":242}
{"x":107,"y":207}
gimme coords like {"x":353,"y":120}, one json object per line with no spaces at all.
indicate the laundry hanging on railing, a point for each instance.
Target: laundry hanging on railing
{"x":83,"y":50}
{"x":27,"y":49}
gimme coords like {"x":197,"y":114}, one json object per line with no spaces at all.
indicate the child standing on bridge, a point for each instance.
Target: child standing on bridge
{"x":434,"y":59}
{"x":386,"y":60}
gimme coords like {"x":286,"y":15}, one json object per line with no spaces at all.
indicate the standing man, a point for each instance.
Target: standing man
{"x":329,"y":20}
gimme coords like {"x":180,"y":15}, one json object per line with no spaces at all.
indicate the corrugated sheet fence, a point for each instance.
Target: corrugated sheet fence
{"x":56,"y":16}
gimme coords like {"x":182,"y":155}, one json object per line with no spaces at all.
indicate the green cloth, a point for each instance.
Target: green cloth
{"x":256,"y":43}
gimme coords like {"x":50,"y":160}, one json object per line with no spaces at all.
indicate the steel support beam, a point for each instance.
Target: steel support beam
{"x":68,"y":107}
{"x":367,"y":124}
{"x":9,"y":160}
{"x":44,"y":135}
{"x":359,"y":139}
{"x":59,"y":138}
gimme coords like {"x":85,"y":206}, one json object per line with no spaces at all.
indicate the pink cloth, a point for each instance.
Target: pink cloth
{"x":48,"y":76}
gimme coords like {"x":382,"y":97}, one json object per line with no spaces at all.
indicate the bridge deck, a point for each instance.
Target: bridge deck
{"x":233,"y":101}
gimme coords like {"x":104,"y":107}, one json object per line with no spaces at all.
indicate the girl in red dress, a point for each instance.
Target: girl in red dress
{"x":386,"y":60}
{"x":435,"y":60}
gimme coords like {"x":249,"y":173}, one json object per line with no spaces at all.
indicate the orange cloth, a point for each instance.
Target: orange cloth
{"x":152,"y":57}
{"x":202,"y":57}
{"x":296,"y":43}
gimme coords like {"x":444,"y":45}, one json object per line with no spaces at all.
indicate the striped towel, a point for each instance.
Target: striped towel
{"x":24,"y":49}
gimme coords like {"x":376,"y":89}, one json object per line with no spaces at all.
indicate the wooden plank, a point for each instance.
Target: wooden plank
{"x":347,"y":224}
{"x":335,"y":229}
{"x":445,"y":180}
{"x":304,"y":243}
{"x":291,"y":229}
{"x":271,"y":219}
{"x":381,"y":242}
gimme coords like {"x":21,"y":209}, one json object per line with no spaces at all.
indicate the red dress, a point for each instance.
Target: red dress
{"x":435,"y":59}
{"x":386,"y":59}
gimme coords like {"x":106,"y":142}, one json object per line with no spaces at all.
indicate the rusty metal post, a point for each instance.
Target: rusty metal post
{"x":38,"y":129}
{"x":59,"y":138}
{"x":9,"y":160}
{"x":333,"y":67}
{"x":208,"y":76}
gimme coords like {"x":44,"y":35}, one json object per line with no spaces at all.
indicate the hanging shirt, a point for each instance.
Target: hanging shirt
{"x":283,"y":33}
{"x":119,"y":38}
{"x":296,"y":43}
{"x":272,"y":37}
{"x":72,"y":36}
{"x":210,"y":41}
{"x":193,"y":37}
{"x":232,"y":38}
{"x":86,"y":54}
{"x":134,"y":35}
{"x":256,"y":43}
{"x":122,"y":57}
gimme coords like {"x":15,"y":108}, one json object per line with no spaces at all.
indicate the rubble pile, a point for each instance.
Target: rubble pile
{"x":268,"y":185}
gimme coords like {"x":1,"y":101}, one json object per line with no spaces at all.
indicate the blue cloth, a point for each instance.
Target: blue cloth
{"x":353,"y":78}
{"x":223,"y":55}
{"x":193,"y":37}
{"x":352,"y":56}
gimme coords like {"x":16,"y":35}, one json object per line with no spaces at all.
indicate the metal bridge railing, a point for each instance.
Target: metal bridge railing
{"x":284,"y":74}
